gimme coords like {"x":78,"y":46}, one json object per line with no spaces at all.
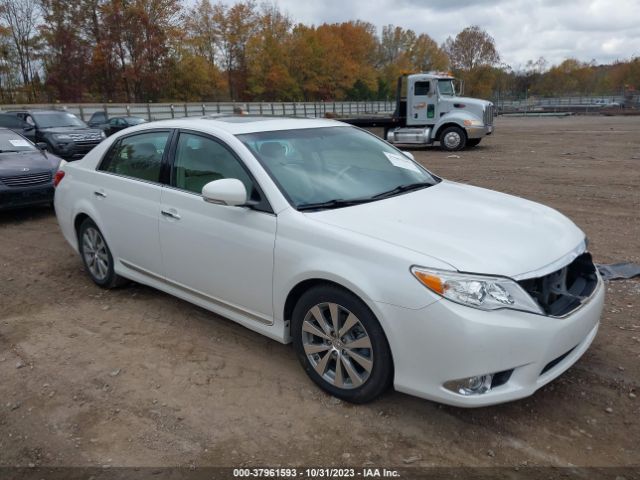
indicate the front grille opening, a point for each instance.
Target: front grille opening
{"x":26,"y":180}
{"x":555,"y":361}
{"x":564,"y":290}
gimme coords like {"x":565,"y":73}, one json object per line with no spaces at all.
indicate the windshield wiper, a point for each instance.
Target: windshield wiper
{"x":403,"y":188}
{"x":333,"y":203}
{"x":11,"y":151}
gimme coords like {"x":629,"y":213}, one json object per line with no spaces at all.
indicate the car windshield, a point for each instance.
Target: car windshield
{"x":332,"y":167}
{"x":12,"y":142}
{"x":57,"y":119}
{"x":445,"y":87}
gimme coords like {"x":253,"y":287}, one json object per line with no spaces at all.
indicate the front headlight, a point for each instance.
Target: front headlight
{"x":473,"y":123}
{"x":477,"y":291}
{"x":103,"y":135}
{"x":61,"y":136}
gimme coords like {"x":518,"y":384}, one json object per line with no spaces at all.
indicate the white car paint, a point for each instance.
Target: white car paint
{"x":243,"y":264}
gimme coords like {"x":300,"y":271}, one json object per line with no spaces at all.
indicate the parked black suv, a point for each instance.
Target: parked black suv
{"x":65,"y":134}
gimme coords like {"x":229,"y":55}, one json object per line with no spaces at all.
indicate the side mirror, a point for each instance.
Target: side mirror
{"x":409,"y":155}
{"x":42,"y":145}
{"x":227,"y":191}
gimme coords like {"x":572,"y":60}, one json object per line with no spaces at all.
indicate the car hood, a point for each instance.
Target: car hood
{"x":15,"y":163}
{"x":476,"y":102}
{"x":70,"y":130}
{"x":470,"y":228}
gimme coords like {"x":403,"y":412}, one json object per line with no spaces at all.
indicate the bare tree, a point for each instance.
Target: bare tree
{"x":21,"y":17}
{"x":472,"y":48}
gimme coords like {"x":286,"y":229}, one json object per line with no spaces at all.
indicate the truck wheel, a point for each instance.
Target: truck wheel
{"x":453,"y":138}
{"x":473,"y":142}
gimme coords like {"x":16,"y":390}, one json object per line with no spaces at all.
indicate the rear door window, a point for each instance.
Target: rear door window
{"x":138,"y":156}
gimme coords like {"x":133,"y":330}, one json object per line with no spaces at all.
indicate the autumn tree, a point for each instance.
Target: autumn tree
{"x":201,"y":50}
{"x":401,"y":51}
{"x":68,"y":52}
{"x":268,"y":60}
{"x":236,"y":25}
{"x":473,"y":54}
{"x":471,"y":48}
{"x":203,"y":31}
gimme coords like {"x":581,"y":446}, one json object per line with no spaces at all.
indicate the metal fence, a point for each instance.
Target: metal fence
{"x":162,"y":111}
{"x":580,"y":103}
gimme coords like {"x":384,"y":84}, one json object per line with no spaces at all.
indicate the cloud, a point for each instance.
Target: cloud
{"x":599,"y":30}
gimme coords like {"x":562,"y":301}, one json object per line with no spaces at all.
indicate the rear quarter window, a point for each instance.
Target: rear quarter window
{"x":137,"y":156}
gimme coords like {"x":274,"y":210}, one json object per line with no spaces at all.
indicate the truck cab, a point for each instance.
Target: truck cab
{"x":428,"y":110}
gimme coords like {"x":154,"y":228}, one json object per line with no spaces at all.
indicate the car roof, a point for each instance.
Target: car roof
{"x":239,"y":124}
{"x":46,"y":110}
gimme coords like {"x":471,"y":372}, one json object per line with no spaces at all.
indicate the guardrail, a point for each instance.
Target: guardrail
{"x":586,"y":104}
{"x":162,"y":111}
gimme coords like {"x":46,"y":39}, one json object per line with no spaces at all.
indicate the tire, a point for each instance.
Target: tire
{"x":473,"y":142}
{"x":365,"y":370}
{"x":453,"y":139}
{"x":96,"y":256}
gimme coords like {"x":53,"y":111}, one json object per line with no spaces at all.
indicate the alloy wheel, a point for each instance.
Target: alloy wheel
{"x":95,"y":253}
{"x":337,"y":345}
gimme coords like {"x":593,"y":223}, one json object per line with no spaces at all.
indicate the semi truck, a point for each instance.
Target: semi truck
{"x":428,"y":110}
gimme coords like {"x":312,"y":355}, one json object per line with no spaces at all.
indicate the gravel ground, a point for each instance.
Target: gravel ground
{"x":134,"y":377}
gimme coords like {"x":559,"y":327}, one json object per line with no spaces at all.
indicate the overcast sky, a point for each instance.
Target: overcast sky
{"x":604,"y":30}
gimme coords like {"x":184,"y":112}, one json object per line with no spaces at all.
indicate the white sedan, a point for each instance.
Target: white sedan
{"x":321,"y":234}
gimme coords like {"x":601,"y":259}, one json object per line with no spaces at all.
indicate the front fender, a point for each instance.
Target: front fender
{"x":453,"y":117}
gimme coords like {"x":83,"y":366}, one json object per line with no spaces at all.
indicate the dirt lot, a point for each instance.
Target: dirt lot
{"x":134,"y":377}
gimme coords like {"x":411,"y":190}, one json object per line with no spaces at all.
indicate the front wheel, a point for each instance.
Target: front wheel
{"x":453,"y":138}
{"x":341,"y":345}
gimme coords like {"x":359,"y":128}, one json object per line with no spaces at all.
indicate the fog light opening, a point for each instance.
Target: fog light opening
{"x":476,"y":385}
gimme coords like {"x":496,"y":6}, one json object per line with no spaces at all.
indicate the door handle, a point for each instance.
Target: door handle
{"x":170,"y":213}
{"x":99,"y":193}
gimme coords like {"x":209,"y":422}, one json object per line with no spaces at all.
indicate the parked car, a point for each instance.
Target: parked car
{"x":98,"y":120}
{"x":116,"y":124}
{"x":65,"y":134}
{"x":26,"y":172}
{"x":603,"y":103}
{"x":10,"y":121}
{"x":318,"y":233}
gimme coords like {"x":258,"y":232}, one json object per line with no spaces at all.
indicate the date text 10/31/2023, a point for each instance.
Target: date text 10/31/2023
{"x":315,"y":473}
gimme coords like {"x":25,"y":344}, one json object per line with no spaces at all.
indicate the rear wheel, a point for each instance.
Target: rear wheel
{"x":453,"y":138}
{"x":341,"y":345}
{"x":96,"y":256}
{"x":473,"y":142}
